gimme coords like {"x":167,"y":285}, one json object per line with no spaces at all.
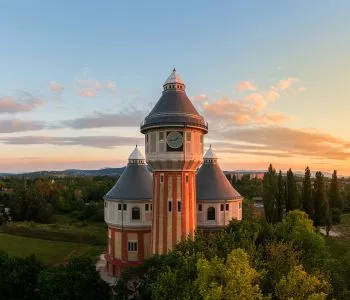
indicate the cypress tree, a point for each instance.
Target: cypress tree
{"x":269,"y":195}
{"x":280,"y":197}
{"x":291,"y":192}
{"x":308,"y":206}
{"x":320,"y":201}
{"x":334,"y":194}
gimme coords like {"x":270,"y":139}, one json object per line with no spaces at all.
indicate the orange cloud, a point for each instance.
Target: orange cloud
{"x":56,"y":87}
{"x":286,"y":84}
{"x":246,"y":86}
{"x":24,"y":102}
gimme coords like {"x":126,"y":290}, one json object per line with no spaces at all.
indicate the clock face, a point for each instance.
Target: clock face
{"x":174,"y":139}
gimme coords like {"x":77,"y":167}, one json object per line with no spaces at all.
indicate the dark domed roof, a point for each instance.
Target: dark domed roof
{"x":135,"y":183}
{"x":212,"y":183}
{"x":174,"y":108}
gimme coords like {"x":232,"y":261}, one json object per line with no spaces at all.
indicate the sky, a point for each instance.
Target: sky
{"x":270,"y":77}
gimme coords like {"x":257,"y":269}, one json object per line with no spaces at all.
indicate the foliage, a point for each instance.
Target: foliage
{"x":76,"y":280}
{"x":235,"y":279}
{"x":320,"y":201}
{"x":269,"y":195}
{"x":298,"y":284}
{"x":334,"y":193}
{"x":281,"y":201}
{"x":18,"y":277}
{"x":336,"y":215}
{"x":307,"y":200}
{"x":292,"y":201}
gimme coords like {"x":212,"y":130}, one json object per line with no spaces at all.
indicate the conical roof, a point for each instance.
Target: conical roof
{"x":135,"y":183}
{"x":174,"y":77}
{"x":211,"y":181}
{"x":174,"y":108}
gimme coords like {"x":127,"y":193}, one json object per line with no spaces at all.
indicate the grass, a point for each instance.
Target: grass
{"x":64,"y":228}
{"x":338,"y":246}
{"x":48,"y":252}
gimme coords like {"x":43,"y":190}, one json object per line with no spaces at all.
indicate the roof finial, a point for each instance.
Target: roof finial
{"x":174,"y":70}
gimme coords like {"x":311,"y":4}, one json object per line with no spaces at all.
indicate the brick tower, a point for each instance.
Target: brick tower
{"x":174,"y":149}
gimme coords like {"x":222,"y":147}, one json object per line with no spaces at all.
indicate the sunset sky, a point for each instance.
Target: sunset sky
{"x":272,"y":78}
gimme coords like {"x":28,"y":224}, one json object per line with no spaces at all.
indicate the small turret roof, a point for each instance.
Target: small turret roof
{"x":174,"y":77}
{"x":135,"y":183}
{"x":136,"y":154}
{"x":210,"y":154}
{"x":212,"y":183}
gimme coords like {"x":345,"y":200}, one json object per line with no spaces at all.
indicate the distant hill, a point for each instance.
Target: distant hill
{"x":119,"y":171}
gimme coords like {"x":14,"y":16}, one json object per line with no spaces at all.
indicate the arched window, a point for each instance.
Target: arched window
{"x":211,"y":214}
{"x":135,"y":213}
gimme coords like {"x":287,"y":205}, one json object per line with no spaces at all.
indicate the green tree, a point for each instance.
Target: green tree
{"x":291,"y":192}
{"x":280,"y":197}
{"x":298,"y":284}
{"x":307,"y":200}
{"x":76,"y":280}
{"x":269,"y":195}
{"x":235,"y":279}
{"x":334,"y":194}
{"x":320,"y":201}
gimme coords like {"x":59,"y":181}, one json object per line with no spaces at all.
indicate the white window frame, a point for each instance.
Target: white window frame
{"x":132,"y":246}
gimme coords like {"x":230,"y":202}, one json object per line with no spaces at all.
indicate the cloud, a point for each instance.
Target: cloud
{"x":87,"y":93}
{"x":88,"y":87}
{"x":246,"y":86}
{"x":86,"y":141}
{"x":99,"y":120}
{"x":56,"y":87}
{"x":201,"y":98}
{"x":111,"y":86}
{"x":16,"y":125}
{"x":252,"y":109}
{"x":286,"y":84}
{"x":288,"y":141}
{"x":23,"y":102}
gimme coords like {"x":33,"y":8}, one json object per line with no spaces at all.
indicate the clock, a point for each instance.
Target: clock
{"x":174,"y":140}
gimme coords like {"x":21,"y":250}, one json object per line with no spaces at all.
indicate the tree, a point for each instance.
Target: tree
{"x":18,"y":277}
{"x":76,"y":280}
{"x":235,"y":279}
{"x":334,"y":194}
{"x":308,"y":206}
{"x":300,"y":285}
{"x":269,"y":195}
{"x":291,"y":192}
{"x":320,"y":201}
{"x":280,"y":197}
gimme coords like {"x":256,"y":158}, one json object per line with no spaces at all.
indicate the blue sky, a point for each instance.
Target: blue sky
{"x":72,"y":59}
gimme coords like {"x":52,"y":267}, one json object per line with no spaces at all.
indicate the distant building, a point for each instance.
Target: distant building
{"x":148,"y":213}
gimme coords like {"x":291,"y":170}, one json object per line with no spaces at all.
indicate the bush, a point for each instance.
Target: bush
{"x":336,"y":215}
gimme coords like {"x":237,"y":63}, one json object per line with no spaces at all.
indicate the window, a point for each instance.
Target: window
{"x":179,"y":206}
{"x":161,"y":178}
{"x":151,"y":206}
{"x":132,"y":246}
{"x":146,"y":207}
{"x":211,"y":214}
{"x":186,"y":178}
{"x":106,"y":204}
{"x":146,"y":137}
{"x":135,"y":213}
{"x":161,"y":136}
{"x":188,"y":136}
{"x":124,"y":207}
{"x":221,"y":207}
{"x":170,"y":205}
{"x":227,"y":206}
{"x":200,"y":207}
{"x":119,"y":206}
